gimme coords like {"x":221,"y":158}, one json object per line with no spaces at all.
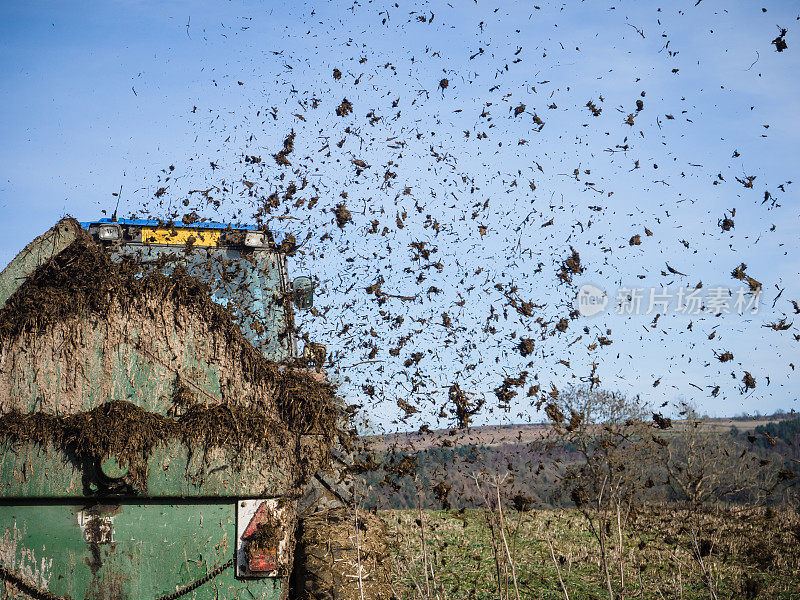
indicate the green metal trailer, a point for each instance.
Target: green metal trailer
{"x":212,"y":521}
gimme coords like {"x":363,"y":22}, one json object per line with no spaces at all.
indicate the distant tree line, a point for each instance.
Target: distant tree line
{"x":601,"y":444}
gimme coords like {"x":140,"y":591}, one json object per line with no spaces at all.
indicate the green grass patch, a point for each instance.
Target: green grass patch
{"x":666,"y":553}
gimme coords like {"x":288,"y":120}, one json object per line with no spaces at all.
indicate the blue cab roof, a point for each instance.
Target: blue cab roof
{"x":277,"y":236}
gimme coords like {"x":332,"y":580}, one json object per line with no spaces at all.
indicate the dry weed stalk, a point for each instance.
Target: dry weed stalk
{"x":495,"y":519}
{"x":424,"y":548}
{"x":558,"y":569}
{"x":505,"y":541}
{"x":413,"y":579}
{"x":358,"y":553}
{"x":705,"y":566}
{"x":620,"y":552}
{"x":432,"y":589}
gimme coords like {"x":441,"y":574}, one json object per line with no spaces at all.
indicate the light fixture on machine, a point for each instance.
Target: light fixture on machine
{"x":264,"y":529}
{"x":109,"y":232}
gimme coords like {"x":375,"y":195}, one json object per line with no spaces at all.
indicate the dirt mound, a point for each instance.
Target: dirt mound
{"x":331,"y":552}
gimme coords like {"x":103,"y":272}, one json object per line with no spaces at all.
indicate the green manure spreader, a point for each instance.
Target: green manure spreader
{"x":157,"y":426}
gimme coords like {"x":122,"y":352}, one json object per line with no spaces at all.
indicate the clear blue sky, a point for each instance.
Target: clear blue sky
{"x":98,"y":96}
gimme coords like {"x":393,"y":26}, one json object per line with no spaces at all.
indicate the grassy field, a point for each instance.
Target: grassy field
{"x":666,"y":553}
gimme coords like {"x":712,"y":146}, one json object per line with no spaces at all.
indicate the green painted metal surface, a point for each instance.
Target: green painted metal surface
{"x":125,"y":551}
{"x":112,"y":469}
{"x":149,"y":542}
{"x":30,"y":472}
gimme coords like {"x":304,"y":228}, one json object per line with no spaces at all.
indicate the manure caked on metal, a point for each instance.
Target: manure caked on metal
{"x":157,"y":424}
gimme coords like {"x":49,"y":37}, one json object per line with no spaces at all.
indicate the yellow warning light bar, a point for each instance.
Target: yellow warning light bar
{"x":181,"y":236}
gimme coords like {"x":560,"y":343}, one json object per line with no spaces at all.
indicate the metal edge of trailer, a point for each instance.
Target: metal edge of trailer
{"x":51,"y":243}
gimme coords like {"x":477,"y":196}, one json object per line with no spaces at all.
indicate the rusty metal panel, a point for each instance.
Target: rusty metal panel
{"x":126,"y":551}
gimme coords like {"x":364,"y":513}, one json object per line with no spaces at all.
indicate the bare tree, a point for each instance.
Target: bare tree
{"x":704,"y":466}
{"x":614,"y":444}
